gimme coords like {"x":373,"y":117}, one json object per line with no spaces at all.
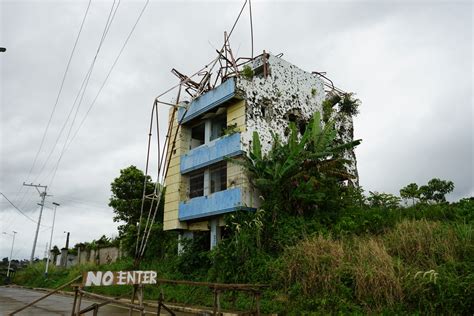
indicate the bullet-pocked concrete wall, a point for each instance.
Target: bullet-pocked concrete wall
{"x":267,"y":106}
{"x":287,"y":94}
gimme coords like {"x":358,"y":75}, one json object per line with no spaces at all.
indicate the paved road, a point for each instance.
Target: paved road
{"x":14,"y":298}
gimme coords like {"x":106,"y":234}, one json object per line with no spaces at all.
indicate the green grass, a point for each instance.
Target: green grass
{"x":417,"y":260}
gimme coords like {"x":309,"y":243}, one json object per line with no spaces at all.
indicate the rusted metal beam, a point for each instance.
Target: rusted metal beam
{"x":265,"y":68}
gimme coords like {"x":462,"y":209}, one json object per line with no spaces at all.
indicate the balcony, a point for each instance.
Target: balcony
{"x":214,"y":204}
{"x":213,"y":152}
{"x":208,"y":101}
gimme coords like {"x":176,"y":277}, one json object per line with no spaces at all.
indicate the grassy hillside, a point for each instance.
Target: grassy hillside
{"x":408,"y":260}
{"x":318,"y":241}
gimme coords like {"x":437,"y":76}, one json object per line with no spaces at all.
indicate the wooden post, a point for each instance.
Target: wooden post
{"x":257,"y":302}
{"x":214,"y":311}
{"x":79,"y":302}
{"x":75,"y":300}
{"x":140,"y":299}
{"x":160,"y":302}
{"x":134,"y":293}
{"x":218,"y":302}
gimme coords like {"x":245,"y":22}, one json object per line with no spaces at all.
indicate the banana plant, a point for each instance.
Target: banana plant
{"x":290,"y":176}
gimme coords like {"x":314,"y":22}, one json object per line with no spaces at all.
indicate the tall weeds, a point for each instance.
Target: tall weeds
{"x":375,"y":280}
{"x":314,"y":264}
{"x":422,"y":243}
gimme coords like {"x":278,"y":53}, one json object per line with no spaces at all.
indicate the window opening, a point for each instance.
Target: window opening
{"x":218,"y":125}
{"x":197,"y":135}
{"x":218,"y":177}
{"x":196,"y":184}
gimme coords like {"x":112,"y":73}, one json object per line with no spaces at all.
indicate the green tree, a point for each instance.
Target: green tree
{"x":385,"y":200}
{"x":436,"y":190}
{"x":411,"y":191}
{"x":126,"y":200}
{"x":127,"y":193}
{"x":55,"y":250}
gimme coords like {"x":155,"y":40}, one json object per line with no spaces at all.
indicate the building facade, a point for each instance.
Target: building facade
{"x":202,"y":184}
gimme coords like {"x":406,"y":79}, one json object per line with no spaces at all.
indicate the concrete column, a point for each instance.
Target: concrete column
{"x":207,"y":131}
{"x":207,"y":182}
{"x":63,"y":262}
{"x":215,"y":232}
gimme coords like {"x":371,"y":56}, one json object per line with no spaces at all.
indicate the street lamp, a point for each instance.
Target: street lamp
{"x":11,"y":252}
{"x":51,"y":239}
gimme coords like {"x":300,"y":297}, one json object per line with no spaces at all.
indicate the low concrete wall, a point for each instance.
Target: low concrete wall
{"x":93,"y":256}
{"x":108,"y":255}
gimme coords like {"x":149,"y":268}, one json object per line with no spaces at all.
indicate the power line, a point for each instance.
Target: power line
{"x":60,"y":89}
{"x":83,"y":88}
{"x":16,"y":208}
{"x":100,"y":90}
{"x":58,"y":96}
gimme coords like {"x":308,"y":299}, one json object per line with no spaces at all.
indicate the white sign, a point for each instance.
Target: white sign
{"x":105,"y":278}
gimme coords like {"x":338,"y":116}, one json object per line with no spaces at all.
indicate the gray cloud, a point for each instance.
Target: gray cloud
{"x":410,"y":64}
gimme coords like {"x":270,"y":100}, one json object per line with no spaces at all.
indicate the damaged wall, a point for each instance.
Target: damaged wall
{"x":287,"y":94}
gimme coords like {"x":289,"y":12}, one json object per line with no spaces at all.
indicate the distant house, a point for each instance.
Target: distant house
{"x":201,"y":185}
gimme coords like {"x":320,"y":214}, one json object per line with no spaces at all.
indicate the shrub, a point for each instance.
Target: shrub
{"x":448,"y":289}
{"x":349,"y":105}
{"x":247,"y":72}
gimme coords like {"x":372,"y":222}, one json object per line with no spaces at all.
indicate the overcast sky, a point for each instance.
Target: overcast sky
{"x":409,"y":63}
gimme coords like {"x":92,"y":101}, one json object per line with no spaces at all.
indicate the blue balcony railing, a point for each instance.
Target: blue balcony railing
{"x":208,"y":154}
{"x":215,"y":204}
{"x":208,"y":101}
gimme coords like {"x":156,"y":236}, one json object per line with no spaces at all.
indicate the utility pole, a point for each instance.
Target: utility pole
{"x":11,"y":252}
{"x":43,"y":196}
{"x":51,"y":239}
{"x":45,"y":251}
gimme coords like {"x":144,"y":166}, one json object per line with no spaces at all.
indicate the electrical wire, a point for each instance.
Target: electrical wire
{"x":58,"y":95}
{"x":98,"y":93}
{"x":83,"y":88}
{"x":20,"y":211}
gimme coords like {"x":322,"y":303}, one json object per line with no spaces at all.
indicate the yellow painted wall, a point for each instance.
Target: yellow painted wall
{"x":173,"y":181}
{"x":177,"y":185}
{"x":236,"y":115}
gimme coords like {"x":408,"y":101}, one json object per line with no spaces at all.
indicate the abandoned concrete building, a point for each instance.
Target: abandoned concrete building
{"x":202,"y":185}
